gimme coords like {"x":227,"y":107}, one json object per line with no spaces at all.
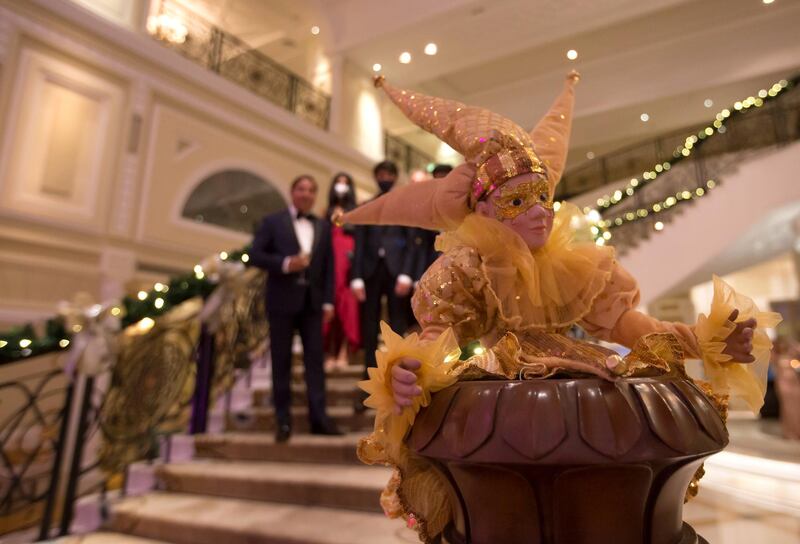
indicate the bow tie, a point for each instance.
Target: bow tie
{"x":301,"y":215}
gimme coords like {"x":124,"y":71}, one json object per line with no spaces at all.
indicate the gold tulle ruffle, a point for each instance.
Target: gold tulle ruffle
{"x":748,"y":381}
{"x":551,"y":287}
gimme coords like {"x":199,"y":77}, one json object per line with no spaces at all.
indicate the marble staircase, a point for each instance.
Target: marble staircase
{"x":240,"y":487}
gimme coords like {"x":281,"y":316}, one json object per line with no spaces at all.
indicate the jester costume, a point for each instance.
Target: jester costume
{"x":488,"y":286}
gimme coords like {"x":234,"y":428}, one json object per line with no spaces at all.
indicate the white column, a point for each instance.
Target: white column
{"x":117,"y":268}
{"x":337,"y":94}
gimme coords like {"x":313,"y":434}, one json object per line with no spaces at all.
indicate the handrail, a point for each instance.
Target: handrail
{"x":199,"y":40}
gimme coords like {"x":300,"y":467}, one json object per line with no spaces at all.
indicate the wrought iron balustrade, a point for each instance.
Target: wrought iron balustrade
{"x":208,"y":45}
{"x":35,"y":401}
{"x":65,"y":435}
{"x":405,"y":155}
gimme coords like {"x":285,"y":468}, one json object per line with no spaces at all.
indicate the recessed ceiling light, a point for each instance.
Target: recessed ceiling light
{"x":315,"y":30}
{"x":376,"y":67}
{"x":590,"y":155}
{"x":405,"y":57}
{"x":431,"y":49}
{"x":572,"y":54}
{"x":644,"y":117}
{"x":768,"y":1}
{"x":708,"y":102}
{"x":659,"y":225}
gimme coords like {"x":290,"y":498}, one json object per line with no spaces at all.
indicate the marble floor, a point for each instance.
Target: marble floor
{"x":751,"y":494}
{"x":720,"y":522}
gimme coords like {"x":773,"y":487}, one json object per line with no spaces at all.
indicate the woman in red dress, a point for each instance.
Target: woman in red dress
{"x":343,"y":332}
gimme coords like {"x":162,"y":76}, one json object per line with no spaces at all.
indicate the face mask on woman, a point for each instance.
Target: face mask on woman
{"x":341,"y":189}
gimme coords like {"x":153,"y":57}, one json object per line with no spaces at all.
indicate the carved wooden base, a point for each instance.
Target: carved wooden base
{"x":570,"y":460}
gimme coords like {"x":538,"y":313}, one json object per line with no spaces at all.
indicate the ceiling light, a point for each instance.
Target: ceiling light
{"x":376,"y":67}
{"x":572,"y":54}
{"x":659,"y":225}
{"x":708,"y":102}
{"x":644,"y":117}
{"x":590,"y":155}
{"x":431,"y":49}
{"x":768,"y":1}
{"x":315,"y":30}
{"x":405,"y":57}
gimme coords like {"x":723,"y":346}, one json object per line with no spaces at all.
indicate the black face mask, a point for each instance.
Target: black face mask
{"x":385,"y":185}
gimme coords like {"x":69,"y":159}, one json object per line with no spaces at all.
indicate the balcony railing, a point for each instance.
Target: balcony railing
{"x":405,"y":155}
{"x":199,"y":40}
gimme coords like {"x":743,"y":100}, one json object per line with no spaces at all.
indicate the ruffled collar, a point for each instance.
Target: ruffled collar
{"x":552,"y":287}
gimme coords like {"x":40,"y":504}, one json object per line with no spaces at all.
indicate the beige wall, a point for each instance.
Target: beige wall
{"x":88,"y":202}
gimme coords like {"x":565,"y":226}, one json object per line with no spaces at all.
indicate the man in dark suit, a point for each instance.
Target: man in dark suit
{"x":382,"y":267}
{"x":424,"y":240}
{"x":294,"y":247}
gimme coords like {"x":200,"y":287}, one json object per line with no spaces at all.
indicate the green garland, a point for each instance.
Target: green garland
{"x":22,"y":342}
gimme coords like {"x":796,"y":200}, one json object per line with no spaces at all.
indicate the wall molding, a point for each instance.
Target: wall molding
{"x":149,"y":50}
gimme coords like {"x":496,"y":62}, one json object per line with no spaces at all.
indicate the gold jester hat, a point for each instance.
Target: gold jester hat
{"x":496,"y":149}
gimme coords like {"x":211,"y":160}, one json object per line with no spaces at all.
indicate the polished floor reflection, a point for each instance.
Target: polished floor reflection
{"x":720,"y":522}
{"x":751,"y":492}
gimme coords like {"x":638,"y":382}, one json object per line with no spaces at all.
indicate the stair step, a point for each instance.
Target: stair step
{"x":349,"y":487}
{"x":103,"y":537}
{"x":263,"y":419}
{"x":197,"y":519}
{"x":337,"y":393}
{"x":262,"y":447}
{"x":350,"y":372}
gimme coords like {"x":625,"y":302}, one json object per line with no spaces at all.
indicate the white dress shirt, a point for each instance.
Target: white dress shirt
{"x":304,"y":230}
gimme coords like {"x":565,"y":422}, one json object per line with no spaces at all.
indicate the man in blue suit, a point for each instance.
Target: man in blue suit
{"x":294,"y":247}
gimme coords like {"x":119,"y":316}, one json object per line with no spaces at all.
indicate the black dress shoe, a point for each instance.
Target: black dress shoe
{"x":358,"y":403}
{"x":282,"y":433}
{"x":327,"y":427}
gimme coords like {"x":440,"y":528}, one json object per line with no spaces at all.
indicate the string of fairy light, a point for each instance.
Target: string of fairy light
{"x":140,"y":310}
{"x":602,"y":226}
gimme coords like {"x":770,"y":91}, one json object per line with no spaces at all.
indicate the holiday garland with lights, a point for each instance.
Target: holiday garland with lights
{"x":602,"y":229}
{"x":23,"y":342}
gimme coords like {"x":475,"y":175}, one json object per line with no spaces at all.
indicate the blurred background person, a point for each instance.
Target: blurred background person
{"x":382,"y":268}
{"x":343,"y":332}
{"x":294,"y":247}
{"x":424,"y":240}
{"x":785,"y":393}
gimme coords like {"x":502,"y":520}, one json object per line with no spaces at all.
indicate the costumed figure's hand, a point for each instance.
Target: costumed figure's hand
{"x":402,"y":289}
{"x":739,"y":344}
{"x":360,"y":293}
{"x":404,"y":383}
{"x":327,"y":314}
{"x":298,"y":263}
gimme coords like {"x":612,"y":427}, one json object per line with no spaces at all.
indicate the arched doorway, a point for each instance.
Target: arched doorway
{"x":233,"y":199}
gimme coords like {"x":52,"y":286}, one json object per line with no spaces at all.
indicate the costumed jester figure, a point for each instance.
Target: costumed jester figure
{"x":515,"y":275}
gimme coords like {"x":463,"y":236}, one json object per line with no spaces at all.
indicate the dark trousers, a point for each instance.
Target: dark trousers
{"x":380,"y":284}
{"x":282,"y":326}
